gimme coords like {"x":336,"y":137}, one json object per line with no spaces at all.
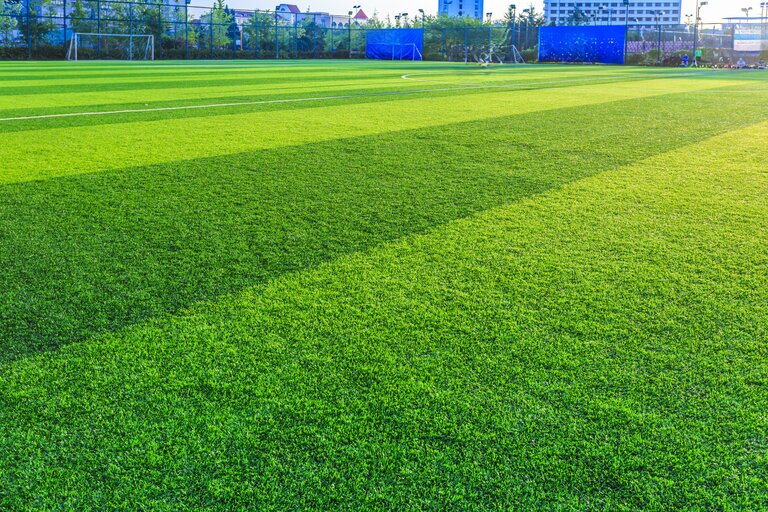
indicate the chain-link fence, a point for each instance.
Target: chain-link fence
{"x":43,"y":29}
{"x":720,"y":45}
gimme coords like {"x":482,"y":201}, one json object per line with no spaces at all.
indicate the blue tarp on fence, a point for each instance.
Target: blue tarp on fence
{"x":395,"y":44}
{"x":599,"y":44}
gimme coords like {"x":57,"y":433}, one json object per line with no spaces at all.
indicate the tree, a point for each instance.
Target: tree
{"x":577,"y":17}
{"x":80,"y":18}
{"x":215,"y":26}
{"x":533,"y":18}
{"x":9,"y":10}
{"x":38,"y":27}
{"x":259,"y":32}
{"x":233,"y":30}
{"x":510,"y":22}
{"x":312,"y":38}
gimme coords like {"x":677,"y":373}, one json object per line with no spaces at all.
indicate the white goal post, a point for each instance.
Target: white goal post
{"x":85,"y":45}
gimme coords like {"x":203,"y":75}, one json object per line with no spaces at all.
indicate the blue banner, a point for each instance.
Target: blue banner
{"x":603,"y":44}
{"x":395,"y":44}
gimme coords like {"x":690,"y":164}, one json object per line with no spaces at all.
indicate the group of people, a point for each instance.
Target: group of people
{"x":723,"y":64}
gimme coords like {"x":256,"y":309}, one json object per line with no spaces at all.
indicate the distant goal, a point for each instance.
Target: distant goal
{"x":85,"y":46}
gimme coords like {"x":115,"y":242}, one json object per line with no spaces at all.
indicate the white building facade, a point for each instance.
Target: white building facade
{"x":462,"y":8}
{"x":615,"y":12}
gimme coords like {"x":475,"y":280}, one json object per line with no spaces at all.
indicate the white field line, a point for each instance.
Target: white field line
{"x":461,"y":87}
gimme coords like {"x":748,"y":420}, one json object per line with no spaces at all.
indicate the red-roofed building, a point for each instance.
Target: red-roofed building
{"x":292,"y":14}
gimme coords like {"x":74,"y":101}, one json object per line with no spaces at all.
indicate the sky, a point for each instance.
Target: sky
{"x":715,"y":11}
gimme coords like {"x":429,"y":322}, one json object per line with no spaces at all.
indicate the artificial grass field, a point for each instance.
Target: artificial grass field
{"x":357,"y":285}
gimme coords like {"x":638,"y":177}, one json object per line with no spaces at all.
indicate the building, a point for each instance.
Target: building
{"x":615,"y":12}
{"x":292,"y":14}
{"x":462,"y":8}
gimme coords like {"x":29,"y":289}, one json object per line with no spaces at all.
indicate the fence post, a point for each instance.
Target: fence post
{"x":210,"y":36}
{"x":277,"y":39}
{"x":443,"y":31}
{"x":490,"y":44}
{"x":466,"y":45}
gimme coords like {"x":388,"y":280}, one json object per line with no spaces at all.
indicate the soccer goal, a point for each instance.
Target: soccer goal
{"x":85,"y":46}
{"x":498,"y":56}
{"x":407,"y":51}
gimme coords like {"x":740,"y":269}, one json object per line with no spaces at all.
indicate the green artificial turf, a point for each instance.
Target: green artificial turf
{"x":523,"y":287}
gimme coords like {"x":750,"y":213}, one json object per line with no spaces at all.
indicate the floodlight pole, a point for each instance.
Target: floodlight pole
{"x":659,"y":14}
{"x":423,"y":28}
{"x":349,"y":33}
{"x":98,"y":28}
{"x":64,"y":21}
{"x":29,"y":30}
{"x":186,"y":29}
{"x":626,"y":29}
{"x":763,"y":14}
{"x":699,"y":5}
{"x":513,"y":23}
{"x":130,"y":31}
{"x":277,"y":36}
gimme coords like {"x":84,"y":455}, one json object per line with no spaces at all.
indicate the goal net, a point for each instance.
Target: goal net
{"x":485,"y":56}
{"x":84,"y":46}
{"x":407,"y":51}
{"x":394,"y":44}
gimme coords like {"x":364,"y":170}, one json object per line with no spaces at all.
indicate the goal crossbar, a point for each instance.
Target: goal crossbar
{"x":144,"y":44}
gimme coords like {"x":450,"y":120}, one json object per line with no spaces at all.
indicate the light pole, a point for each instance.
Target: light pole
{"x":423,"y":32}
{"x":659,"y":14}
{"x":626,"y":28}
{"x":489,"y":17}
{"x":277,"y":34}
{"x":513,"y":23}
{"x":525,"y":40}
{"x":349,"y":33}
{"x":696,"y":21}
{"x":746,"y":10}
{"x":763,"y":14}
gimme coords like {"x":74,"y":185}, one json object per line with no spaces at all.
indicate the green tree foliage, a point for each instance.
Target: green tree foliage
{"x":577,"y":17}
{"x":214,"y":26}
{"x":259,"y":32}
{"x":311,"y":38}
{"x":38,"y":27}
{"x":80,"y":18}
{"x":8,"y":22}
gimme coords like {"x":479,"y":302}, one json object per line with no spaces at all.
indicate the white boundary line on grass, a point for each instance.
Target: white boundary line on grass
{"x":462,"y":87}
